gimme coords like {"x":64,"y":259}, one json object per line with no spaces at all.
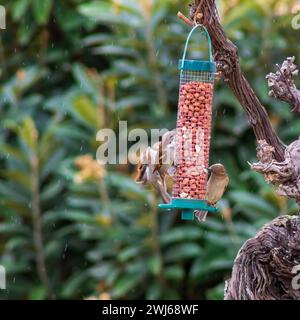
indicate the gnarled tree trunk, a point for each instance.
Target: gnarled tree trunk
{"x":267,"y":265}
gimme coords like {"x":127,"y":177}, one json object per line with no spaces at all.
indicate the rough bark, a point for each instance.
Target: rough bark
{"x":284,"y":175}
{"x":266,"y":266}
{"x":282,"y":86}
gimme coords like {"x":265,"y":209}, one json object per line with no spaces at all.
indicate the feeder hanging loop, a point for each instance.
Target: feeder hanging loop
{"x":188,"y":40}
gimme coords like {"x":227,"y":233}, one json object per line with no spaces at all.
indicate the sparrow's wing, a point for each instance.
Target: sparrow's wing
{"x":216,"y":187}
{"x":158,"y":160}
{"x":209,"y":182}
{"x":140,"y":176}
{"x":159,"y":184}
{"x":164,"y":193}
{"x":208,"y":175}
{"x":226,"y":185}
{"x":165,"y":154}
{"x":145,"y":165}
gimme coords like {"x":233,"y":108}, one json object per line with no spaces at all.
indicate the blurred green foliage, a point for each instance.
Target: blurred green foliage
{"x":69,"y":68}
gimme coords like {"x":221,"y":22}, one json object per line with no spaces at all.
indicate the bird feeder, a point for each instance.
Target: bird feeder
{"x":193,"y":133}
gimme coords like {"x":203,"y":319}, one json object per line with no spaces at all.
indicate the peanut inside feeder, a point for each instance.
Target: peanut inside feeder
{"x":193,"y":134}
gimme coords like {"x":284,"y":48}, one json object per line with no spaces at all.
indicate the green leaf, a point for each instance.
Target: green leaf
{"x":51,"y":190}
{"x":131,"y":102}
{"x":77,"y":216}
{"x":12,"y":152}
{"x":111,"y":13}
{"x":155,"y":264}
{"x":29,"y":134}
{"x":19,"y":9}
{"x":154,"y":291}
{"x":18,"y":177}
{"x":42,"y":10}
{"x":114,"y":50}
{"x":124,"y":284}
{"x":85,"y":82}
{"x":126,"y":185}
{"x":129,"y":253}
{"x":182,"y":251}
{"x":179,"y":234}
{"x":85,"y":110}
{"x":174,"y":273}
{"x":256,"y":204}
{"x":7,"y":228}
{"x":10,"y":193}
{"x":38,"y":293}
{"x":73,"y":284}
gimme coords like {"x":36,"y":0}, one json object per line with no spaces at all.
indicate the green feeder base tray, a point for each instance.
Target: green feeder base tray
{"x":188,"y":206}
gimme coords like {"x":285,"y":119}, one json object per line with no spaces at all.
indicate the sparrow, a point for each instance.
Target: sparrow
{"x":165,"y":158}
{"x":157,"y":163}
{"x":216,"y":187}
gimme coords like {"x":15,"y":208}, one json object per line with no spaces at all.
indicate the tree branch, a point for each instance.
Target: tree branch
{"x":37,"y":228}
{"x":282,"y":85}
{"x":226,"y":57}
{"x":181,"y":16}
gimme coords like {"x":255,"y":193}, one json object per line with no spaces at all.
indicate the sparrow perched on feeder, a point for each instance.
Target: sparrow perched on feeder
{"x":156,"y":163}
{"x":216,"y":187}
{"x":164,"y":162}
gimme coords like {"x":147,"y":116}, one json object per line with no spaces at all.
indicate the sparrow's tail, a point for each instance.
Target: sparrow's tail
{"x":201,"y":215}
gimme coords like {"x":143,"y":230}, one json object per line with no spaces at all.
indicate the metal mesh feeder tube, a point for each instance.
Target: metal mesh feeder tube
{"x":193,"y":134}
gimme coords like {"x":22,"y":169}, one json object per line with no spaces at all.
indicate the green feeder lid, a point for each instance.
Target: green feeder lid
{"x":197,"y":65}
